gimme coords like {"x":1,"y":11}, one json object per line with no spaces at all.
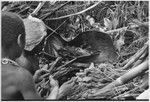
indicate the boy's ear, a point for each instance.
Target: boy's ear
{"x":20,"y":42}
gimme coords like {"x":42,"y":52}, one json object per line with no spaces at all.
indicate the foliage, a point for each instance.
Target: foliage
{"x":127,"y":24}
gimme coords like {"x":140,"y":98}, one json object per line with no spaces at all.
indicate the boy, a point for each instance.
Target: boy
{"x":17,"y":82}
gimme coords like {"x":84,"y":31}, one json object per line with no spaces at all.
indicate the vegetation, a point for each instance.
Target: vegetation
{"x":126,"y":22}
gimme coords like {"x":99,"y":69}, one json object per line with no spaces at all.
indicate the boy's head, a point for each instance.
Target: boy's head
{"x":13,"y":35}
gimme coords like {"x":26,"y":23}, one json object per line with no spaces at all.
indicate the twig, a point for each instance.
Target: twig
{"x":78,"y":59}
{"x":77,"y":64}
{"x":62,"y":71}
{"x":23,"y":10}
{"x":68,"y":63}
{"x":75,"y":13}
{"x":38,"y":8}
{"x":54,"y":64}
{"x":47,"y":55}
{"x":4,"y":4}
{"x":46,"y":16}
{"x":55,"y":30}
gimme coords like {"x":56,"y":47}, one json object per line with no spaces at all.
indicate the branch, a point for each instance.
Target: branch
{"x":75,"y":13}
{"x":46,"y":16}
{"x":54,"y":63}
{"x":38,"y":8}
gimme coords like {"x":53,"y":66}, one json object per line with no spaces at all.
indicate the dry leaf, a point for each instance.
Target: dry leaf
{"x":35,"y":32}
{"x":107,"y":23}
{"x":115,"y":23}
{"x":119,"y":42}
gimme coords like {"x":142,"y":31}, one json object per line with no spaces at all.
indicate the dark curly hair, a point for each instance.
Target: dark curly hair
{"x":12,"y":27}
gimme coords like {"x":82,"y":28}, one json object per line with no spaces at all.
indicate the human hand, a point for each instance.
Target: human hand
{"x":54,"y":88}
{"x":53,"y":83}
{"x":66,"y":87}
{"x":39,"y":75}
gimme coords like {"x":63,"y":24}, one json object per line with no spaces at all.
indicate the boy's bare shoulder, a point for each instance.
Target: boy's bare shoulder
{"x":17,"y":72}
{"x":23,"y":74}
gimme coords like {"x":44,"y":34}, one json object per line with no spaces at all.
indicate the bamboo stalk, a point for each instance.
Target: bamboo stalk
{"x":125,"y":78}
{"x":136,"y":56}
{"x":141,"y":59}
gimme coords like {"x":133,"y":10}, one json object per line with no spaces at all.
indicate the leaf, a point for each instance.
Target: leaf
{"x":90,"y":19}
{"x":119,"y":42}
{"x":66,"y":88}
{"x":107,"y":23}
{"x":53,"y":45}
{"x":86,"y":79}
{"x":115,"y":23}
{"x":35,"y":31}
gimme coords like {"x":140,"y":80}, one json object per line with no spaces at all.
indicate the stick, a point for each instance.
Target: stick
{"x":46,"y":16}
{"x":75,"y":13}
{"x":40,"y":5}
{"x":23,"y":10}
{"x":50,"y":29}
{"x":125,"y":78}
{"x":62,"y":71}
{"x":68,"y":63}
{"x":78,"y":59}
{"x":54,"y":64}
{"x":55,"y":30}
